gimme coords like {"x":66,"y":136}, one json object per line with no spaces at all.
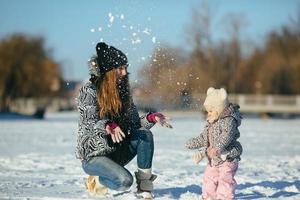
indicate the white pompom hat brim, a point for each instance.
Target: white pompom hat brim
{"x":216,"y":99}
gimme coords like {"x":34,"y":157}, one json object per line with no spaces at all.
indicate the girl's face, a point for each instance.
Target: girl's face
{"x":121,"y":71}
{"x":212,"y":115}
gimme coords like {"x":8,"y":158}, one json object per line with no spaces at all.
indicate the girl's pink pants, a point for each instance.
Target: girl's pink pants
{"x":219,"y":182}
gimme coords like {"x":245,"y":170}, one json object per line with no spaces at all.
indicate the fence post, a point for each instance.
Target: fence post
{"x":241,"y":100}
{"x":297,"y":100}
{"x":269,"y":100}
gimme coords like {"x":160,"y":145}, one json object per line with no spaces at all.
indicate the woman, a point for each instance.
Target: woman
{"x":111,"y":133}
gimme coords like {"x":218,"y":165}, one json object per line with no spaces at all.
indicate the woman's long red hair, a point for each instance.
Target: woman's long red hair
{"x":108,"y":95}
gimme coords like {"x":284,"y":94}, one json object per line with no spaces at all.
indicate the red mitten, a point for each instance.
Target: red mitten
{"x":112,"y":125}
{"x":151,"y":116}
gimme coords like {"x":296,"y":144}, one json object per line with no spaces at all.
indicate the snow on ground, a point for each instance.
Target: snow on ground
{"x":37,"y":160}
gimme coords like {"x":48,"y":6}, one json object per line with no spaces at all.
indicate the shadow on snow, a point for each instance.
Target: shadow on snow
{"x":176,"y":192}
{"x":277,"y":185}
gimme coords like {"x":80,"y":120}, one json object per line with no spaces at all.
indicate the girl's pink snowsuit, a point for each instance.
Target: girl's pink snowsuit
{"x":219,"y":182}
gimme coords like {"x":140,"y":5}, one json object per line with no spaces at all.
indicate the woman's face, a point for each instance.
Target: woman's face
{"x":121,"y":71}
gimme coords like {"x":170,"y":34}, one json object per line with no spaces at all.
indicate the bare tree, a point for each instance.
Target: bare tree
{"x":233,"y":23}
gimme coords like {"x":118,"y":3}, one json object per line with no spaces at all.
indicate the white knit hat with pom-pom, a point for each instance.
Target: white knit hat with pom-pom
{"x":216,"y":99}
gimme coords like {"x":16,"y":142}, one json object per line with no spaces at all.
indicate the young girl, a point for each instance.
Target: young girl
{"x":219,"y":143}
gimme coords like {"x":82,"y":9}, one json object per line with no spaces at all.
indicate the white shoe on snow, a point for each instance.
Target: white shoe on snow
{"x":94,"y":187}
{"x":144,"y":195}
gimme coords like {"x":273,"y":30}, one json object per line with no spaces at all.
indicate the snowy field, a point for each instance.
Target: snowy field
{"x":37,"y":160}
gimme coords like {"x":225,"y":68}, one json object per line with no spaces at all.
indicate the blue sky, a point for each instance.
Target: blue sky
{"x":73,"y":27}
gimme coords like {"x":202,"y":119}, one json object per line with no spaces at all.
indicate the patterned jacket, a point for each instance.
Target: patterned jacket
{"x":93,"y":139}
{"x":224,"y":134}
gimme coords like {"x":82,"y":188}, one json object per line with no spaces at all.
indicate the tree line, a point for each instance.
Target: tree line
{"x":271,"y":68}
{"x":27,"y":69}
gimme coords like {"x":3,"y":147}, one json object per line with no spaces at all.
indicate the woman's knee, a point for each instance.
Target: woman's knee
{"x":146,"y":135}
{"x":125,"y":182}
{"x":120,"y":183}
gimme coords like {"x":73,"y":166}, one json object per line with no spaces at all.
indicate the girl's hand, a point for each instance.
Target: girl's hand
{"x":116,"y":133}
{"x":211,"y":152}
{"x":198,"y":156}
{"x":159,"y":118}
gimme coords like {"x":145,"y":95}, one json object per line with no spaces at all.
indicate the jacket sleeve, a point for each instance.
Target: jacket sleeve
{"x":92,"y":139}
{"x":137,"y":121}
{"x":89,"y":111}
{"x":227,"y":136}
{"x":236,"y":150}
{"x":198,"y":142}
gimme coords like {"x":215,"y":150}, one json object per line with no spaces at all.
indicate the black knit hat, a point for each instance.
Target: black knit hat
{"x":108,"y":58}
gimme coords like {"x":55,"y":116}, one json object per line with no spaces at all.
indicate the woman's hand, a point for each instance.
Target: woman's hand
{"x":159,"y":118}
{"x":116,"y":133}
{"x":162,"y":120}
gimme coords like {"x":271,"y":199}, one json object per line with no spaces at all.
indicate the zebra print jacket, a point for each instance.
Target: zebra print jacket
{"x":92,"y":139}
{"x":224,"y":134}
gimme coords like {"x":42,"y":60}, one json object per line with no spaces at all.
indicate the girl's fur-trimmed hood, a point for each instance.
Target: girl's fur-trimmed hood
{"x":232,"y":110}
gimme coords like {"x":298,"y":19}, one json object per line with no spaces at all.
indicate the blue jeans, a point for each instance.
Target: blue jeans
{"x":110,"y":168}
